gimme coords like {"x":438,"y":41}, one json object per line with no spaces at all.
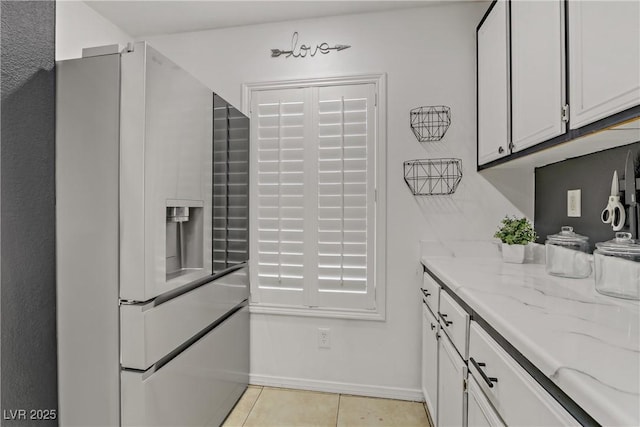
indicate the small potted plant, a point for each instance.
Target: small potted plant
{"x":515,"y":233}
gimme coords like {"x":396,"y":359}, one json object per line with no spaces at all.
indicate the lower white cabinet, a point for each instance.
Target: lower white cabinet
{"x":516,"y":396}
{"x":468,"y":379}
{"x":444,"y":371}
{"x":452,"y":374}
{"x":430,"y":293}
{"x":480,"y":413}
{"x":455,"y":323}
{"x":430,"y":334}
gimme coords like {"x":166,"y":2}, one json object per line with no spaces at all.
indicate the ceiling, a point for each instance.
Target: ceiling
{"x":153,"y":17}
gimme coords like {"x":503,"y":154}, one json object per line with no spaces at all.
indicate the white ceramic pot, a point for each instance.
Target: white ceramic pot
{"x":513,"y":253}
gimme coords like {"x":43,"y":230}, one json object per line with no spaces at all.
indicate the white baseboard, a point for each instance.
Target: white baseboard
{"x":338,"y":387}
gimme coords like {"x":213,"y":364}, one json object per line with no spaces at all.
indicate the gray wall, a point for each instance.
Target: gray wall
{"x":592,"y":174}
{"x":27,"y":207}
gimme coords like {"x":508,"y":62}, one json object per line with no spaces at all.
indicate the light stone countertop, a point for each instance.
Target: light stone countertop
{"x":588,"y":344}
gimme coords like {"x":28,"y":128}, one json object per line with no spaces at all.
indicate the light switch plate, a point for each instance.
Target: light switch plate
{"x":574,"y":203}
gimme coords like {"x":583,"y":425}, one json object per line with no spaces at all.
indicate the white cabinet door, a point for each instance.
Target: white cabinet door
{"x":493,"y":85}
{"x":537,"y":71}
{"x":480,"y":412}
{"x":452,"y":372}
{"x":604,"y":59}
{"x":430,"y":330}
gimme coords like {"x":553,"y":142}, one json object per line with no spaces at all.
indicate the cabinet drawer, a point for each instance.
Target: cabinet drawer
{"x":455,"y":322}
{"x":517,"y":397}
{"x":431,"y":293}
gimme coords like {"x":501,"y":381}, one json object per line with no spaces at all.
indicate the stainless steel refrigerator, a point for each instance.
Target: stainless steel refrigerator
{"x":150,"y":196}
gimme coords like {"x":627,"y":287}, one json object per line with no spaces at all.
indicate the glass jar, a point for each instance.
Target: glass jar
{"x":617,"y":267}
{"x":567,"y":254}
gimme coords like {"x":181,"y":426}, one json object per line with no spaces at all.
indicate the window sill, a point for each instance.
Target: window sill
{"x":317,"y":312}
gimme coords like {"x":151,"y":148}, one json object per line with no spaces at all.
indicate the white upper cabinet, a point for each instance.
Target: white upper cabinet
{"x":537,"y":72}
{"x":604,"y":59}
{"x":541,"y":64}
{"x":493,"y":85}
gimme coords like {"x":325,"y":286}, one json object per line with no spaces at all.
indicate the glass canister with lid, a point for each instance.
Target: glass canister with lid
{"x":567,"y":254}
{"x":617,"y":267}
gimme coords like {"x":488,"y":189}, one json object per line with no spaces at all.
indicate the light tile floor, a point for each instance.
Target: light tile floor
{"x":279,"y":407}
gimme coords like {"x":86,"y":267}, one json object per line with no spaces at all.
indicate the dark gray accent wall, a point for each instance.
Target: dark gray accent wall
{"x":27,"y":208}
{"x":592,"y":174}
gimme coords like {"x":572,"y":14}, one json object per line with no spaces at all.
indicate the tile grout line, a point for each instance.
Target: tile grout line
{"x":338,"y":412}
{"x":252,"y":406}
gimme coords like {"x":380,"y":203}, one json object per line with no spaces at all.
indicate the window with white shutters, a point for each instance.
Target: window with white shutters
{"x":315,"y":154}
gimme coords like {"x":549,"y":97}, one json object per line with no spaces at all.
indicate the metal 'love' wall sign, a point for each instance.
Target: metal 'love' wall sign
{"x":303,"y":50}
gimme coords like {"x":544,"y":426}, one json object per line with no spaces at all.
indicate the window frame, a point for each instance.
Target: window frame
{"x":380,"y":182}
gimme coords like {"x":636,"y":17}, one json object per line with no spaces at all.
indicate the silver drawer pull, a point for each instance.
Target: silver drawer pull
{"x":426,"y":294}
{"x":444,"y":318}
{"x":433,"y":326}
{"x":488,"y":380}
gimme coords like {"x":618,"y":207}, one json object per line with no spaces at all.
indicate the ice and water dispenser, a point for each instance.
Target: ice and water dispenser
{"x":184,"y":239}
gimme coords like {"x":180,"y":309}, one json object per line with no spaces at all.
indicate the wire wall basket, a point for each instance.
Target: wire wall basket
{"x":430,"y":123}
{"x":428,"y":177}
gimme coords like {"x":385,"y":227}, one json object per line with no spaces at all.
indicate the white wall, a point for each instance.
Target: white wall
{"x":79,"y":26}
{"x":429,"y":55}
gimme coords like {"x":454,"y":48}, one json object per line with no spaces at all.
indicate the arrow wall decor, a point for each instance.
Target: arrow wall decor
{"x":304,"y":50}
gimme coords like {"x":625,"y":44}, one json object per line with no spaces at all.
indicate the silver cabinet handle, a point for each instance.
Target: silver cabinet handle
{"x":500,"y":150}
{"x":425,"y":293}
{"x":488,"y":380}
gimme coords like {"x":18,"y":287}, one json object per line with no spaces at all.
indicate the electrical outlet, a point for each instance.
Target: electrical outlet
{"x":573,"y":203}
{"x":324,"y":338}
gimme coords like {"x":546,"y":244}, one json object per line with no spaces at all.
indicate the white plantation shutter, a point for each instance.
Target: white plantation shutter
{"x":345,"y":144}
{"x":278,"y":127}
{"x":314,"y":197}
